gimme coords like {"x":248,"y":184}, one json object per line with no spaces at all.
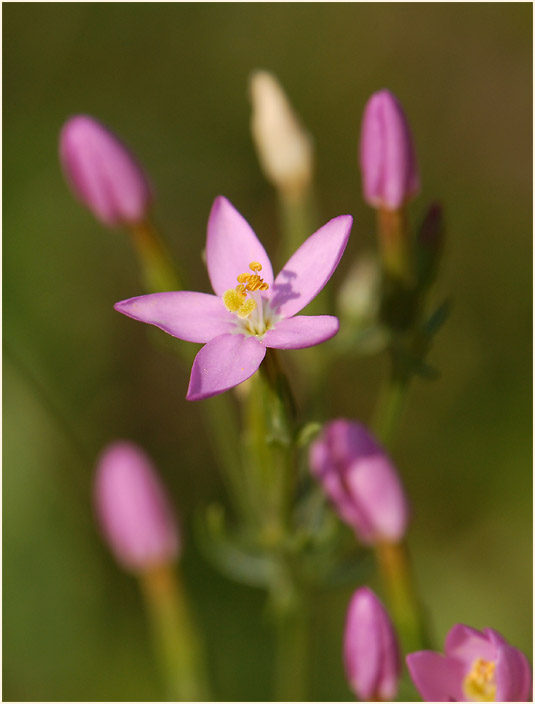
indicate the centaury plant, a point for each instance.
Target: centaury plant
{"x":294,"y":477}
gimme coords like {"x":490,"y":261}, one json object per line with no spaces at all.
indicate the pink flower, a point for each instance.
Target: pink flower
{"x":361,"y":481}
{"x":133,"y":509}
{"x":387,"y":160}
{"x":477,"y":667}
{"x":102,"y":172}
{"x":371,"y":651}
{"x":251,"y":311}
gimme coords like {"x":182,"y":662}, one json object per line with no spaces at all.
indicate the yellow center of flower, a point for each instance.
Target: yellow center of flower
{"x":480,"y":684}
{"x":235,"y":299}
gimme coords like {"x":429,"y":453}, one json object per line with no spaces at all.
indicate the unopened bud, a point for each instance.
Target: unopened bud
{"x":284,"y":147}
{"x":361,"y":481}
{"x":371,"y":651}
{"x":133,"y":509}
{"x":387,"y":159}
{"x":102,"y":172}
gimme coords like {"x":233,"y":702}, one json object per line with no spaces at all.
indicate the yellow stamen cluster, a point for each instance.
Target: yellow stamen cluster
{"x":479,"y":684}
{"x":252,"y":282}
{"x":234,"y":297}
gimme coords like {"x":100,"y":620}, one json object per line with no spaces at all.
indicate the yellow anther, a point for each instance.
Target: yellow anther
{"x":233,"y":300}
{"x":243,"y":278}
{"x":263,"y":286}
{"x":255,"y":266}
{"x":241,"y":288}
{"x":246,"y":308}
{"x":479,"y":684}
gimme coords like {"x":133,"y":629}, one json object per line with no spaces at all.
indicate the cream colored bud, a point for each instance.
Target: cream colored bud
{"x":284,"y":147}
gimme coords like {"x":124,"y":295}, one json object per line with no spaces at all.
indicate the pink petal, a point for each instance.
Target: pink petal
{"x":513,"y":675}
{"x":231,"y":245}
{"x":188,"y":315}
{"x":308,"y":270}
{"x":468,"y":644}
{"x":224,"y":362}
{"x":301,"y":331}
{"x":437,"y":678}
{"x":376,"y":489}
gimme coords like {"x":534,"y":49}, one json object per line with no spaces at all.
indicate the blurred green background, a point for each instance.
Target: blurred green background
{"x":171,"y":79}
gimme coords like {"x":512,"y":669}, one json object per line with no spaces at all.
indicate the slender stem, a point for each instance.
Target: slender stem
{"x":176,"y":639}
{"x":399,"y":309}
{"x":277,"y":428}
{"x":390,"y":407}
{"x":394,"y":565}
{"x":291,"y":667}
{"x":298,"y":218}
{"x":395,"y":244}
{"x":159,"y":272}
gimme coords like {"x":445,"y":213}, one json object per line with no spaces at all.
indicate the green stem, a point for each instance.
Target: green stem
{"x":407,"y":613}
{"x":298,"y":218}
{"x":273,"y":416}
{"x":395,"y":245}
{"x":390,"y":407}
{"x":292,"y":655}
{"x":176,"y":639}
{"x":158,"y":271}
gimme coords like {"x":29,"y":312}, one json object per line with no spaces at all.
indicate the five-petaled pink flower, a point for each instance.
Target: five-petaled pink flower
{"x":477,"y":667}
{"x":251,"y":310}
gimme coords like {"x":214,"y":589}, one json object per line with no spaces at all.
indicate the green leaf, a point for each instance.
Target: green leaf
{"x":231,"y":554}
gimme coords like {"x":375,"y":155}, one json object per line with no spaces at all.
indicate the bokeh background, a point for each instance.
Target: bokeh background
{"x":172,"y":80}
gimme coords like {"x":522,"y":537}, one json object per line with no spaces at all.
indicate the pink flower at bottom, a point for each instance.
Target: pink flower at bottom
{"x":251,"y":310}
{"x":477,"y":667}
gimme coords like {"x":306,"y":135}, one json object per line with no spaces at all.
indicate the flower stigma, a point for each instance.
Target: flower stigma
{"x":480,"y":684}
{"x":237,"y":301}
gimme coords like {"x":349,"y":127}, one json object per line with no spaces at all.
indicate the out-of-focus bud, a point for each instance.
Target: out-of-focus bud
{"x":102,"y":172}
{"x":371,"y":651}
{"x":358,"y":297}
{"x":133,"y":509}
{"x":387,"y":159}
{"x":361,"y":481}
{"x":429,"y":244}
{"x":284,"y":147}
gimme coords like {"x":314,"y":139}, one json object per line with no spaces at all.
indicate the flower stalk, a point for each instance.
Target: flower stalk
{"x":175,"y":635}
{"x":394,"y":244}
{"x":407,"y":614}
{"x":157,"y":268}
{"x":271,"y":419}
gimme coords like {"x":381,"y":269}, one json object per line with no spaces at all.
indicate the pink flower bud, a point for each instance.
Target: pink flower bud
{"x":371,"y":651}
{"x":389,"y":171}
{"x":361,"y":481}
{"x":477,"y":667}
{"x":133,"y":509}
{"x":102,"y":172}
